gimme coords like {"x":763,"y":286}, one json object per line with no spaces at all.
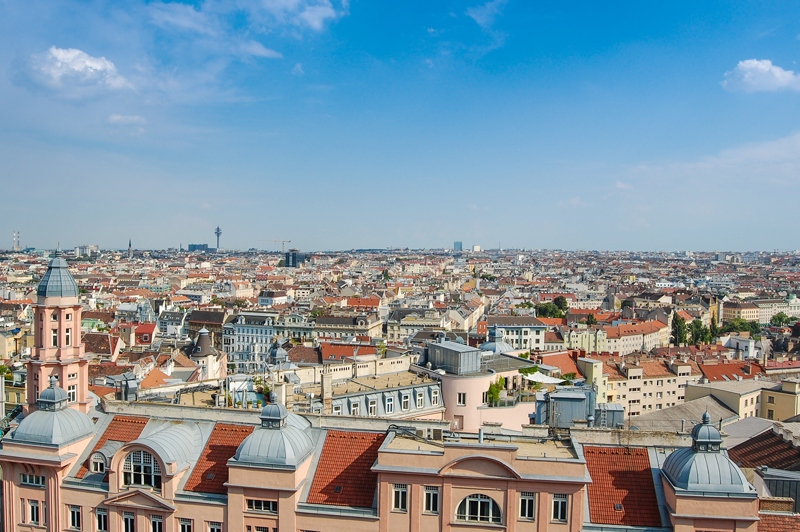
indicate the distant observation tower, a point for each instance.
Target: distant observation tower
{"x":218,"y":232}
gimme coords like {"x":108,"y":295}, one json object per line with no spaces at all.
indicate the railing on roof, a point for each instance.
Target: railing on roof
{"x":5,"y":423}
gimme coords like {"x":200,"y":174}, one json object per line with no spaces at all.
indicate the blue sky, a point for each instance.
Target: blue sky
{"x":342,"y":124}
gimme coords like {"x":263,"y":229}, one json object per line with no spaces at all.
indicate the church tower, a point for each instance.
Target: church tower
{"x":58,"y":351}
{"x":130,"y":250}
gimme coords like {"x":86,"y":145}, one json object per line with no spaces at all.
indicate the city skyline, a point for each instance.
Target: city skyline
{"x":352,"y":124}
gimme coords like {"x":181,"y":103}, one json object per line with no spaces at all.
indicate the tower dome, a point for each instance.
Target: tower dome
{"x":53,"y":423}
{"x":57,"y":281}
{"x":705,"y":466}
{"x":279,"y":442}
{"x":494,"y":344}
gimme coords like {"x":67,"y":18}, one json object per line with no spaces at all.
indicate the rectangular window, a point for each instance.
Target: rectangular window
{"x":462,"y":399}
{"x":485,"y":398}
{"x":214,"y":526}
{"x":102,"y":520}
{"x":373,"y":408}
{"x":337,"y":410}
{"x":33,"y":507}
{"x":255,"y":505}
{"x":186,"y":525}
{"x":527,"y":505}
{"x":75,"y":517}
{"x":156,"y":523}
{"x":128,"y":522}
{"x":68,"y":337}
{"x":354,"y":409}
{"x":389,"y":405}
{"x":32,"y":480}
{"x":405,"y":403}
{"x":400,"y":497}
{"x":431,"y":499}
{"x":770,"y":414}
{"x":72,"y":393}
{"x":560,"y":504}
{"x":435,"y":397}
{"x":72,"y":376}
{"x":54,"y":336}
{"x":420,"y":400}
{"x":771,"y":399}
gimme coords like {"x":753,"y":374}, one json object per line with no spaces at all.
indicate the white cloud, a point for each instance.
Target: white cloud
{"x":73,"y":73}
{"x":485,"y":14}
{"x":623,"y":186}
{"x":298,"y":69}
{"x":181,"y":16}
{"x":755,"y":75}
{"x":574,"y":201}
{"x":303,"y":13}
{"x":125,"y":120}
{"x":257,"y":49}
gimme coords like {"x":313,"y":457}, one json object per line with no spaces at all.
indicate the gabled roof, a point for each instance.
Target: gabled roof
{"x":344,"y":475}
{"x":621,"y":476}
{"x":211,"y":471}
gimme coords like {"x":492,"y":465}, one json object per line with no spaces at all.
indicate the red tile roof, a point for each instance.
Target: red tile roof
{"x":778,"y":522}
{"x":121,"y":428}
{"x":100,"y":391}
{"x":731,"y":370}
{"x":767,"y":449}
{"x":211,"y":472}
{"x":346,"y":464}
{"x":621,"y":476}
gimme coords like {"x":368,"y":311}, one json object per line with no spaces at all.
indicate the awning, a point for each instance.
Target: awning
{"x":542,"y":378}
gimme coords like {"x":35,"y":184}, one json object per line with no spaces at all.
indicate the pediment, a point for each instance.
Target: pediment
{"x":140,"y":499}
{"x":480,"y":467}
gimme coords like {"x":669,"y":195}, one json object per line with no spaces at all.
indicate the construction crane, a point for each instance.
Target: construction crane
{"x":283,"y":244}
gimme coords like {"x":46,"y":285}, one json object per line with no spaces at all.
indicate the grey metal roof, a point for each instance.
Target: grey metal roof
{"x":57,"y":282}
{"x":705,"y":467}
{"x":54,"y":427}
{"x":176,"y":443}
{"x":287,"y":446}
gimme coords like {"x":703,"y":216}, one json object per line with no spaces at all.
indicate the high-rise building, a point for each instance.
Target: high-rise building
{"x":293,"y":258}
{"x":218,"y":232}
{"x":458,"y":246}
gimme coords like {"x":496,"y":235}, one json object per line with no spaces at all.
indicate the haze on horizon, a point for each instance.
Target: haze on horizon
{"x":352,"y":124}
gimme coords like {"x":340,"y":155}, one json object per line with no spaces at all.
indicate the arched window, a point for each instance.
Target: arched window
{"x":481,"y":508}
{"x":141,"y":469}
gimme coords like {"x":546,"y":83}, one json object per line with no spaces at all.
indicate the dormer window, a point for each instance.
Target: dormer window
{"x":98,"y":463}
{"x":141,"y":469}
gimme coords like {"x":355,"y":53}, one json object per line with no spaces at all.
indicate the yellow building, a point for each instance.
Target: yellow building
{"x":739,"y":310}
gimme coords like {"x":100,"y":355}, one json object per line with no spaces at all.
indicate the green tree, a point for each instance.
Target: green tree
{"x":548,"y":310}
{"x":740,"y":325}
{"x":561,"y":303}
{"x":627,"y":303}
{"x":679,"y":330}
{"x":494,"y":390}
{"x":699,"y":333}
{"x":591,"y":319}
{"x":713,"y":330}
{"x":780,"y":319}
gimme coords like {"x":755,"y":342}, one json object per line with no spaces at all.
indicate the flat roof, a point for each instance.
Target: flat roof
{"x":526,"y":447}
{"x":367,"y":384}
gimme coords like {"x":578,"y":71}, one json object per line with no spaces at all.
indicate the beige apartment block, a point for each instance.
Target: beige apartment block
{"x":644,"y":385}
{"x":753,"y":398}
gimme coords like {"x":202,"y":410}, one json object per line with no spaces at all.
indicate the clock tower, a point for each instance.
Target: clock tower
{"x":58,"y":351}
